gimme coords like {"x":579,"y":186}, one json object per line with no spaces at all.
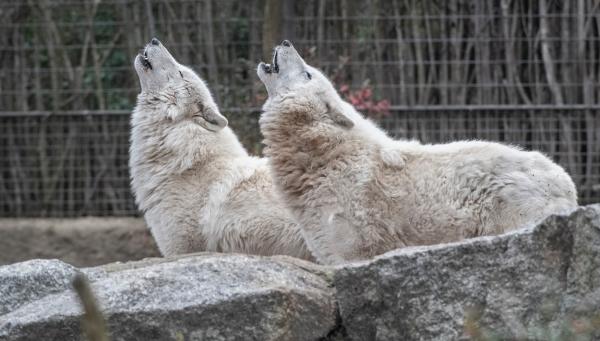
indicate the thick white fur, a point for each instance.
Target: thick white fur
{"x":197,"y":186}
{"x":358,"y":193}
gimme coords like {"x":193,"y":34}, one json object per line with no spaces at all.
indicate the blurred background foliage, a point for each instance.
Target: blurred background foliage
{"x":525,"y":72}
{"x":65,"y":55}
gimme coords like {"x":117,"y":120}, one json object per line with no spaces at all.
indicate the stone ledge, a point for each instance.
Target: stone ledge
{"x":206,"y":296}
{"x":537,"y":283}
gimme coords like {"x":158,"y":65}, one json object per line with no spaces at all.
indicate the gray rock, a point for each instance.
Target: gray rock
{"x":29,"y":281}
{"x":540,"y":283}
{"x":216,"y":297}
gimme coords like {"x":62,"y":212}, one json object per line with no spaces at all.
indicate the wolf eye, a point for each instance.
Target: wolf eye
{"x":308,"y":75}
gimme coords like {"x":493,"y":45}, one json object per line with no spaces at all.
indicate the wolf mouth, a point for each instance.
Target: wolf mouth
{"x":145,"y":61}
{"x":275,"y":65}
{"x":267,"y":68}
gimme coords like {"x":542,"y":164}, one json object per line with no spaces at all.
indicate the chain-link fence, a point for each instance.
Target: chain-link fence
{"x":525,"y":72}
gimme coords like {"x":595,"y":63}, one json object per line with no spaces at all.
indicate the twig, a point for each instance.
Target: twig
{"x":92,"y":324}
{"x":547,"y":56}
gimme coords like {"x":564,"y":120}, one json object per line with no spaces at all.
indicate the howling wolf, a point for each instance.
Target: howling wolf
{"x":357,"y":193}
{"x":196,"y":185}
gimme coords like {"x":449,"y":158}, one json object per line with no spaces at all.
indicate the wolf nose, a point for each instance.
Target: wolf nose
{"x":154,"y":41}
{"x":286,"y":43}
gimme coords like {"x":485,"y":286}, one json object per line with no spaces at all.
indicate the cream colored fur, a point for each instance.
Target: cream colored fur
{"x":198,"y":188}
{"x":358,"y":193}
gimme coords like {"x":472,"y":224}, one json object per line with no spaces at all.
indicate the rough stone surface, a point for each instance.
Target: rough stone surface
{"x":216,"y":297}
{"x":82,"y":241}
{"x":32,"y":280}
{"x":541,"y":283}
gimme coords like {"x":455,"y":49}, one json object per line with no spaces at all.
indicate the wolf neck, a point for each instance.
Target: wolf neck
{"x":299,"y":150}
{"x":157,"y":142}
{"x":154,"y":167}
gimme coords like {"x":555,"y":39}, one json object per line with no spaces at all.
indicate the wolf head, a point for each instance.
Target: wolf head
{"x":174,"y":90}
{"x":176,"y":125}
{"x":296,"y":86}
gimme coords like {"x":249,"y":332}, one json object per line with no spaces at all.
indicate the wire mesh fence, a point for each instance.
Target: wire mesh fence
{"x":65,"y":165}
{"x":77,"y":55}
{"x":450,"y":69}
{"x":73,"y":164}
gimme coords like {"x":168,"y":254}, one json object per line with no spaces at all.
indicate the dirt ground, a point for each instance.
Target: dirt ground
{"x":80,"y":242}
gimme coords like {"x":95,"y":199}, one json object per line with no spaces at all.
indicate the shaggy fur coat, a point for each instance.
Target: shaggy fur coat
{"x":198,"y":188}
{"x":358,"y":193}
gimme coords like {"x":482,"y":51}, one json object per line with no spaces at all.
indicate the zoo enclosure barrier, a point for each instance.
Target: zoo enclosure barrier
{"x":72,"y":164}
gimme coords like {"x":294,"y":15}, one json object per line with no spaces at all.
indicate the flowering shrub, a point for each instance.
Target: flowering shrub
{"x":362,"y":99}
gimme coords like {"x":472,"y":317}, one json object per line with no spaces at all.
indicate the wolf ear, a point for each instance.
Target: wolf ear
{"x":336,"y":113}
{"x":209,"y":118}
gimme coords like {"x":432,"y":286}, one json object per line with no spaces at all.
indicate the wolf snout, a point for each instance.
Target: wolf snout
{"x":155,"y":41}
{"x":286,"y":43}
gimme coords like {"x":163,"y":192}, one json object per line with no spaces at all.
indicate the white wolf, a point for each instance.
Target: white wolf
{"x":358,"y":193}
{"x":197,"y":186}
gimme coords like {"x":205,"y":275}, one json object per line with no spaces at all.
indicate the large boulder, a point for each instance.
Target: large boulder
{"x":30,"y":281}
{"x":539,"y":283}
{"x":197,"y":297}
